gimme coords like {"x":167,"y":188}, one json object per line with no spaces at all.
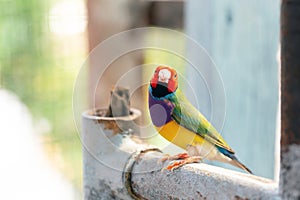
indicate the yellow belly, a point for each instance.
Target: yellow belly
{"x":179,"y":135}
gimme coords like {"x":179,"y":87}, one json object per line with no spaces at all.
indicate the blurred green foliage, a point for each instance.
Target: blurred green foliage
{"x":33,"y":66}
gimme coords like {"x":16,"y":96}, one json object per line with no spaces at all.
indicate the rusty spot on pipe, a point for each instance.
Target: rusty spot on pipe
{"x":236,"y":197}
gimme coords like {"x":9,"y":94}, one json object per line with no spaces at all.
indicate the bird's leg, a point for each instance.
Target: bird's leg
{"x":180,"y":163}
{"x":175,"y":157}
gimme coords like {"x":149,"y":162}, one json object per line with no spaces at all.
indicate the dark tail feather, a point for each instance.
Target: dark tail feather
{"x":237,"y":163}
{"x":234,"y":160}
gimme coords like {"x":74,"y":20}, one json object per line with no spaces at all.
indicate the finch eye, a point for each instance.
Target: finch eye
{"x":175,"y":75}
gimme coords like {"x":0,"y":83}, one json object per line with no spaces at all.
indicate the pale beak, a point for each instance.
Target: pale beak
{"x":164,"y":75}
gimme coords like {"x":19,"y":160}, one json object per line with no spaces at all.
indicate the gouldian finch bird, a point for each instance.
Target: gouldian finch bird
{"x":178,"y":121}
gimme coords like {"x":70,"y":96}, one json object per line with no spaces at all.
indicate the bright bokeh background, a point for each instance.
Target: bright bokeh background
{"x":42,"y":47}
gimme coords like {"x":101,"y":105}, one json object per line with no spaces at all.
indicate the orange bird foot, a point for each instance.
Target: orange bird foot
{"x":180,"y":163}
{"x":175,"y":157}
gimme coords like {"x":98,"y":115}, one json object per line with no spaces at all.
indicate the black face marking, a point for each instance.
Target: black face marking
{"x":161,"y":90}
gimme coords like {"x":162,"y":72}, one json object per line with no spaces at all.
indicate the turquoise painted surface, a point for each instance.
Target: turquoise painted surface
{"x":242,"y":37}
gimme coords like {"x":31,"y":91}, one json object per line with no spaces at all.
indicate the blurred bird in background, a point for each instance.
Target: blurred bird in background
{"x":177,"y":120}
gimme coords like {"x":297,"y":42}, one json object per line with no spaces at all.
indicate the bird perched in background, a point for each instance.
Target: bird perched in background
{"x":177,"y":120}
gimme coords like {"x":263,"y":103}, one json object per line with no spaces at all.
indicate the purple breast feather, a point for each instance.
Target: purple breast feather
{"x":160,"y":111}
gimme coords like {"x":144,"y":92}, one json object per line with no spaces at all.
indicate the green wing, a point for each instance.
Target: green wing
{"x":188,"y":116}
